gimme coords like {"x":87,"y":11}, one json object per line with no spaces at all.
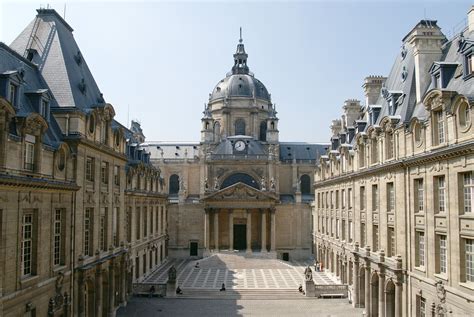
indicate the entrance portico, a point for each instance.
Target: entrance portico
{"x":239,"y":217}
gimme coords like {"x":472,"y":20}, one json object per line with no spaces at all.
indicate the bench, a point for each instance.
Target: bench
{"x":331,"y":295}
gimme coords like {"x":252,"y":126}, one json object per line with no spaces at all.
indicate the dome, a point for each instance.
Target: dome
{"x":240,"y":82}
{"x":240,"y":85}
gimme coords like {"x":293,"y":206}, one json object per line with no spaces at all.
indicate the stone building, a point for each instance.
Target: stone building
{"x":239,"y":188}
{"x":76,"y":189}
{"x":392,"y":215}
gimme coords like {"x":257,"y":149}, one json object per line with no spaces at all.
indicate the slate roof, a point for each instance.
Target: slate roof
{"x":301,"y":150}
{"x":32,"y":81}
{"x":59,"y":60}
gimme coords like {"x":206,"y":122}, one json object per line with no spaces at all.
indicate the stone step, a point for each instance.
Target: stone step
{"x":242,"y":294}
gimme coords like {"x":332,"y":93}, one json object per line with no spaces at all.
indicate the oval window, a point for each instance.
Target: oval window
{"x":91,"y":123}
{"x":61,"y":160}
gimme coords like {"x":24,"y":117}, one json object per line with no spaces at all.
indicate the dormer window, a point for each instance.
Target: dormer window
{"x":13,"y":95}
{"x":44,"y":109}
{"x":470,"y":64}
{"x":467,"y":49}
{"x":438,"y":125}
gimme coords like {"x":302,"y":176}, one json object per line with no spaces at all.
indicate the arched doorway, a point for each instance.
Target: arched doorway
{"x":390,"y":299}
{"x":174,"y":184}
{"x":240,"y":177}
{"x":89,"y":298}
{"x":361,"y":287}
{"x":374,"y":295}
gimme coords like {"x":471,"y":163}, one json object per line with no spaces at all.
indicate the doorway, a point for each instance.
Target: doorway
{"x":193,"y":248}
{"x":240,"y":235}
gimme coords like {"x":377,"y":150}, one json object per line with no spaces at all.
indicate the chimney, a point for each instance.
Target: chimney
{"x":352,"y":112}
{"x":426,"y":39}
{"x":336,"y":127}
{"x":372,"y":85}
{"x":470,"y":19}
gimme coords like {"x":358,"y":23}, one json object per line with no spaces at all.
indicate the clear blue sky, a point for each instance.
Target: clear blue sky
{"x":162,"y":59}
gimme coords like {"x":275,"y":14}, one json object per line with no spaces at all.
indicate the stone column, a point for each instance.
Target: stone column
{"x":367,"y":290}
{"x":264,"y":230}
{"x":111,"y":290}
{"x":272,"y":230}
{"x":398,"y":299}
{"x":249,"y":231}
{"x":206,"y":229}
{"x":381,"y":294}
{"x":216,"y":230}
{"x":98,"y":291}
{"x":355,"y":283}
{"x":231,"y":230}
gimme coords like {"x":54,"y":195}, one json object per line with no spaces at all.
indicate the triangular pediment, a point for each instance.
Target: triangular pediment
{"x":240,"y":192}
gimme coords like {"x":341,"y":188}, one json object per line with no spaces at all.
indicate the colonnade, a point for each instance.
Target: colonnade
{"x":374,"y":286}
{"x":102,"y":288}
{"x":231,"y":214}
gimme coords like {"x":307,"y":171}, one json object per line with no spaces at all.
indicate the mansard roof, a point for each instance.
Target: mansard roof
{"x":31,"y":81}
{"x":301,"y":150}
{"x":50,"y":40}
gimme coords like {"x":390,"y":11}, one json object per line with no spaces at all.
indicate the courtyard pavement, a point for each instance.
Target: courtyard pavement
{"x":238,"y":271}
{"x":147,"y":307}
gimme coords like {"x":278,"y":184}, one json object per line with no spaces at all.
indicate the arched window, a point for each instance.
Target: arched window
{"x":174,"y":184}
{"x":239,"y":177}
{"x":217,"y":131}
{"x":305,"y":184}
{"x":263,"y":131}
{"x":239,"y":127}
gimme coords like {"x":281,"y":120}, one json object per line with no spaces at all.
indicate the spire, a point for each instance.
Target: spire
{"x":240,"y":58}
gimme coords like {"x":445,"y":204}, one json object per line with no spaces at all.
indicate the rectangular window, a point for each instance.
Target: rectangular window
{"x":117,"y":175}
{"x":129,"y":224}
{"x":375,"y":238}
{"x":470,"y":64}
{"x":468,"y":191}
{"x":115,"y":226}
{"x":90,"y":171}
{"x":29,"y":157}
{"x":137,"y":267}
{"x":469,"y":254}
{"x":103,"y":133}
{"x":104,"y":172}
{"x":27,"y":244}
{"x":391,"y":242}
{"x":375,"y":198}
{"x":343,"y":229}
{"x":390,"y":197}
{"x":13,"y":94}
{"x":343,"y":196}
{"x":58,"y":238}
{"x":421,"y":307}
{"x":145,"y":222}
{"x":337,"y":228}
{"x":443,"y":254}
{"x":362,"y":235}
{"x":362,"y":198}
{"x":319,"y":200}
{"x":45,"y":109}
{"x":332,"y":200}
{"x":88,"y":232}
{"x":138,"y":223}
{"x":420,"y":259}
{"x":439,"y":126}
{"x":419,"y":195}
{"x":103,"y":229}
{"x":349,"y":198}
{"x":337,"y":199}
{"x":441,"y":191}
{"x":152,"y":224}
{"x":351,"y":231}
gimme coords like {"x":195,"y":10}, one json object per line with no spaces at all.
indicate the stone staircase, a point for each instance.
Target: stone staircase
{"x":257,"y":294}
